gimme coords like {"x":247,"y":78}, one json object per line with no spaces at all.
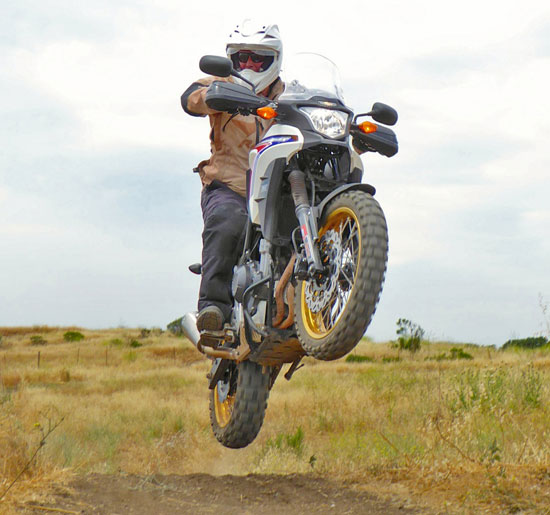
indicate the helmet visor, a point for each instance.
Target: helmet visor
{"x":256,"y":60}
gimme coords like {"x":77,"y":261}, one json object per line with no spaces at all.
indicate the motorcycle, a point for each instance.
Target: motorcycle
{"x":315,"y":252}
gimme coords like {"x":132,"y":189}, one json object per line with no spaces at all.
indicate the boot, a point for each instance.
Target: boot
{"x":210,"y":318}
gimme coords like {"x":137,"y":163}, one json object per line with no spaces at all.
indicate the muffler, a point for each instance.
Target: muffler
{"x":189,"y":327}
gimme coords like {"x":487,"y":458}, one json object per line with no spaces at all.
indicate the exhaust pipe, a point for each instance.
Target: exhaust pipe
{"x":189,"y":326}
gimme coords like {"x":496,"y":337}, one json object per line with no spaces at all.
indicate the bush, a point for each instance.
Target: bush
{"x":410,"y":335}
{"x":73,"y":336}
{"x":38,"y":340}
{"x":533,"y":342}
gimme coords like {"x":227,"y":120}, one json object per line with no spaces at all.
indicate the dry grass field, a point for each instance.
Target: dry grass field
{"x":438,"y":430}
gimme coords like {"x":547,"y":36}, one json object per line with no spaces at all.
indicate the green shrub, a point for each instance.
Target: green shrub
{"x":38,"y":340}
{"x":73,"y":336}
{"x":355,"y":358}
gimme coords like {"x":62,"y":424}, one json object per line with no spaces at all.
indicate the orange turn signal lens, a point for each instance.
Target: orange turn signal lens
{"x":267,"y":113}
{"x":368,"y":127}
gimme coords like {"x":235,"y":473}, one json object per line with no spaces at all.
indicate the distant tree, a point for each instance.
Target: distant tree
{"x":533,"y":342}
{"x":409,"y":335}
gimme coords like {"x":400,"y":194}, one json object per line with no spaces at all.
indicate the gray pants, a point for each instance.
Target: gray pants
{"x":225,"y":214}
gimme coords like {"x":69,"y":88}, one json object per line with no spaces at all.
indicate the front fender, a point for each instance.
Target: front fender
{"x":320,"y":208}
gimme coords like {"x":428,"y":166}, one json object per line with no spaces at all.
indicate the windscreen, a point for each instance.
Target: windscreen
{"x":309,"y":75}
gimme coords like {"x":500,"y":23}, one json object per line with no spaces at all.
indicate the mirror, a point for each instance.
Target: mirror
{"x":383,"y":113}
{"x":216,"y":65}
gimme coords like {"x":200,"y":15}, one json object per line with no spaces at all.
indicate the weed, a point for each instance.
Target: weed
{"x":487,"y":390}
{"x":292,"y":442}
{"x":531,"y":387}
{"x":492,"y":452}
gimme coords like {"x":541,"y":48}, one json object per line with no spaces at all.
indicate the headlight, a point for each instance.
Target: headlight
{"x":329,"y":122}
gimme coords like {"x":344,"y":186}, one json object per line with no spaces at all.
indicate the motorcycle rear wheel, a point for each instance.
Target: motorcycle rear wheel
{"x":332,"y":316}
{"x":238,"y":403}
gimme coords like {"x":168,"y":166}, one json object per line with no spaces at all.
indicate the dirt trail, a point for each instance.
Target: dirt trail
{"x":221,"y":495}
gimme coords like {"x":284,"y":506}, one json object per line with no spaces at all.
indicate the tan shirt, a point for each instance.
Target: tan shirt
{"x":231,"y":139}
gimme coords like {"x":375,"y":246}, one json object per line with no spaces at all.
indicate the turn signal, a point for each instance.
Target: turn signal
{"x":368,"y":127}
{"x":267,"y":113}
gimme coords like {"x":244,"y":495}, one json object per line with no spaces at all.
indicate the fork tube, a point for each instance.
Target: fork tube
{"x":306,"y":218}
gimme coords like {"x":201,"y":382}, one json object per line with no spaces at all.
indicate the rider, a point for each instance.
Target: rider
{"x":256,"y":51}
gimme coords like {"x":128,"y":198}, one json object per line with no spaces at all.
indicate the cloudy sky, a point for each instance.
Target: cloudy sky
{"x":99,"y":208}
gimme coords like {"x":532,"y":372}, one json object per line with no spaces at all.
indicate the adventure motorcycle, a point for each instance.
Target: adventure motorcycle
{"x":315,"y":252}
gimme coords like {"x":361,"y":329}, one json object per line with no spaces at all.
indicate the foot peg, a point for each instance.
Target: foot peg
{"x":216,"y":338}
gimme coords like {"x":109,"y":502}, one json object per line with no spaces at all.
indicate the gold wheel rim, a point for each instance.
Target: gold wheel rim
{"x":224,"y":409}
{"x":320,"y":325}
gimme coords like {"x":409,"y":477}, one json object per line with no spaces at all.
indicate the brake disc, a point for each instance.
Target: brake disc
{"x":318,"y":293}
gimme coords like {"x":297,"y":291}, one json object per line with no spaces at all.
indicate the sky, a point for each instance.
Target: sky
{"x":99,"y":208}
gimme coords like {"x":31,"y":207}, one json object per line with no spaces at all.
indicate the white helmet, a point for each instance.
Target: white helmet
{"x":256,"y":39}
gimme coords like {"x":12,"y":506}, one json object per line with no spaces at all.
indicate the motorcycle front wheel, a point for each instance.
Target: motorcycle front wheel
{"x":238,"y":403}
{"x":333,"y":312}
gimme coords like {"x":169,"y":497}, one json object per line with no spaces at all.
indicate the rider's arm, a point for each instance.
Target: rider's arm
{"x":190,"y":105}
{"x":193,"y":98}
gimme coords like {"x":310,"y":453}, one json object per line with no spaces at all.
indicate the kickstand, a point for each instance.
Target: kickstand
{"x":293,"y":369}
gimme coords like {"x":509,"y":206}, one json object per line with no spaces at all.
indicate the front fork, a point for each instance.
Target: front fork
{"x":307,"y":220}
